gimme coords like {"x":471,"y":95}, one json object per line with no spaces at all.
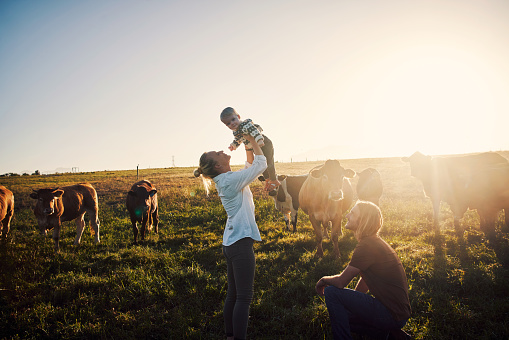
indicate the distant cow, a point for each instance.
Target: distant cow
{"x":287,"y":198}
{"x":325,"y":196}
{"x":369,"y":187}
{"x":142,"y":206}
{"x":479,"y":181}
{"x":68,"y":203}
{"x":6,"y":209}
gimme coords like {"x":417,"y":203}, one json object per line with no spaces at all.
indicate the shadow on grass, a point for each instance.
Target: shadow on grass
{"x":468,"y":278}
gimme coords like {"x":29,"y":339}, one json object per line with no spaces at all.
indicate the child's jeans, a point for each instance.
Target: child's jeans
{"x":268,"y":152}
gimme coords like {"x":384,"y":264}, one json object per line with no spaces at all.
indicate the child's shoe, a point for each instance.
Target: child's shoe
{"x":272,"y":186}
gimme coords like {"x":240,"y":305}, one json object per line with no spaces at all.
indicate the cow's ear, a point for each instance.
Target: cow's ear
{"x":152,"y":192}
{"x":349,"y":173}
{"x":281,"y":177}
{"x":316,"y":173}
{"x":58,"y":193}
{"x":34,"y":195}
{"x":132,"y":193}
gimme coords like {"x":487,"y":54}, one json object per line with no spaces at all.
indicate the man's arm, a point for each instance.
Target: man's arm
{"x":362,"y":286}
{"x":340,"y":281}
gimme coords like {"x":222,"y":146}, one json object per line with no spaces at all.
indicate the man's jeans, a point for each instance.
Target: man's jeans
{"x":352,"y":311}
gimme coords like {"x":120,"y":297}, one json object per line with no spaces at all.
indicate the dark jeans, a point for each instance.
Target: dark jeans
{"x":240,"y":262}
{"x":268,"y":152}
{"x":352,"y":311}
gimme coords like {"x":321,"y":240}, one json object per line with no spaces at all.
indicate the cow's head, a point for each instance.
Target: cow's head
{"x":332,"y":175}
{"x":367,"y":177}
{"x":420,"y":165}
{"x":142,"y":199}
{"x":49,"y":203}
{"x":367,"y":174}
{"x":47,"y":200}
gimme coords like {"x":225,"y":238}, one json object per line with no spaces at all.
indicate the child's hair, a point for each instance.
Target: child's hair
{"x":228,"y":112}
{"x":370,"y":219}
{"x":206,"y":171}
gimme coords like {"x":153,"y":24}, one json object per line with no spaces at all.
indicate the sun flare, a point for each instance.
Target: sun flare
{"x":434,"y":99}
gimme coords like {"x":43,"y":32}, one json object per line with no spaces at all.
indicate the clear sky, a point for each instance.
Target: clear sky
{"x":107,"y":85}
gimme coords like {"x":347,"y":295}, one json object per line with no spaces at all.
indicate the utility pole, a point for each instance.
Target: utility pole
{"x":173,"y":161}
{"x":137,"y":172}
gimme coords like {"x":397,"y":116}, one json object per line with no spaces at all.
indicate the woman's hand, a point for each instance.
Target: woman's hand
{"x":250,"y":138}
{"x":256,"y":148}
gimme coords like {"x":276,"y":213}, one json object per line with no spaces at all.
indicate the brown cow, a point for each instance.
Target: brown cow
{"x":369,"y":187}
{"x":479,"y":181}
{"x":6,"y":209}
{"x":287,"y":198}
{"x":325,"y":196}
{"x":141,"y":203}
{"x":68,"y":203}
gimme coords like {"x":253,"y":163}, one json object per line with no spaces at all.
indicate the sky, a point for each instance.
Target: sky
{"x":112,"y":85}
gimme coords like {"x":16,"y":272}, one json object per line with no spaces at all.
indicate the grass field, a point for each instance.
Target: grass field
{"x":173,"y":285}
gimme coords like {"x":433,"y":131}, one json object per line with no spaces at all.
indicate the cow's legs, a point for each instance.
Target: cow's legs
{"x":135,"y":229}
{"x":457,"y":224}
{"x":294,"y":220}
{"x":5,"y":227}
{"x":335,"y":233}
{"x":325,"y":227}
{"x":155,"y":220}
{"x":56,"y":237}
{"x":94,"y":224}
{"x":144,"y":221}
{"x":80,"y":226}
{"x":6,"y":223}
{"x":3,"y":231}
{"x":488,"y":221}
{"x":287,"y":221}
{"x":436,"y":213}
{"x":317,"y":226}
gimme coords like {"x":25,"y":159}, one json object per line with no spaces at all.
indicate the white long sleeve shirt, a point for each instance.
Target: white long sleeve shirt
{"x":233,"y":189}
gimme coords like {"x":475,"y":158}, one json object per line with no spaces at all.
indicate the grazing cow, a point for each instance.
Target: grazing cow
{"x":6,"y":209}
{"x":325,"y":196}
{"x":287,"y":198}
{"x":369,"y":187}
{"x":68,"y":203}
{"x":479,"y":181}
{"x":141,"y":203}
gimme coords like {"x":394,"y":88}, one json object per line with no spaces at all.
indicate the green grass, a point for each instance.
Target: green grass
{"x":173,"y":285}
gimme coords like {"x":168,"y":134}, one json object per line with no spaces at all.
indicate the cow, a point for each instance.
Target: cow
{"x":142,"y":205}
{"x":68,"y":203}
{"x":369,"y":186}
{"x":478,"y":181}
{"x":6,"y":210}
{"x":325,"y":196}
{"x":287,"y":198}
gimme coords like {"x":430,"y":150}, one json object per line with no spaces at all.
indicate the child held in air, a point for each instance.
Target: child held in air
{"x":232,"y":120}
